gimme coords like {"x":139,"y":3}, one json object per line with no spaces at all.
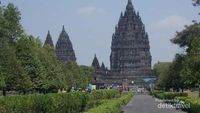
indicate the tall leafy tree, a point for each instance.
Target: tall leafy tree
{"x":189,"y":39}
{"x":191,"y":71}
{"x":28,"y":54}
{"x":174,"y":79}
{"x":161,"y":72}
{"x":55,"y":77}
{"x":9,"y":66}
{"x":12,"y":25}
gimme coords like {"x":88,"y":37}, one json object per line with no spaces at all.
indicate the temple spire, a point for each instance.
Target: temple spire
{"x":64,"y":34}
{"x":121,"y":15}
{"x":129,"y":9}
{"x":49,"y":40}
{"x":64,"y":48}
{"x":95,"y":62}
{"x":63,"y":28}
{"x":103,"y":67}
{"x":129,"y":5}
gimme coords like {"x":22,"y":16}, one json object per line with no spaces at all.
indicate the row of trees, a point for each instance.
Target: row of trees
{"x":184,"y":71}
{"x":28,"y":66}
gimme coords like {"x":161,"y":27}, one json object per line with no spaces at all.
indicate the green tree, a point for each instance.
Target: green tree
{"x":189,"y":39}
{"x":27,"y":66}
{"x":77,"y":76}
{"x":161,"y":72}
{"x":28,"y":54}
{"x":174,"y":78}
{"x":9,"y":66}
{"x":11,"y":26}
{"x":191,"y":71}
{"x":55,"y":77}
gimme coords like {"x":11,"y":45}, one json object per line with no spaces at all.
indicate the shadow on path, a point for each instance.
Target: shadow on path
{"x":146,"y":104}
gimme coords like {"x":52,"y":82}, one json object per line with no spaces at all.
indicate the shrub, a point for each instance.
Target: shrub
{"x":51,"y":103}
{"x":54,"y":103}
{"x":168,"y":95}
{"x":193,"y":102}
{"x":104,"y":94}
{"x":111,"y":106}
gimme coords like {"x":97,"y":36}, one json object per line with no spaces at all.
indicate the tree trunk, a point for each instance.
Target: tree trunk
{"x":4,"y":92}
{"x":182,"y":89}
{"x":177,"y":90}
{"x":199,"y":90}
{"x":24,"y":92}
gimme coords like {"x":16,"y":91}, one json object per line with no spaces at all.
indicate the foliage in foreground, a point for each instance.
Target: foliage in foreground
{"x":193,"y":102}
{"x":168,"y":95}
{"x":111,"y":106}
{"x":53,"y":103}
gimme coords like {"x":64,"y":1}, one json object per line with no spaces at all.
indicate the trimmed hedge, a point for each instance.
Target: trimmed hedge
{"x":52,"y":103}
{"x":167,"y":95}
{"x":112,"y":105}
{"x":194,"y":104}
{"x":104,"y":94}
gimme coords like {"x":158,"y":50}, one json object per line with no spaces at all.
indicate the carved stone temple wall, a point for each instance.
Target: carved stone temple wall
{"x":130,"y":58}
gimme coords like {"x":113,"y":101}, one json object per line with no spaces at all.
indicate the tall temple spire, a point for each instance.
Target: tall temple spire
{"x":64,"y":34}
{"x":129,"y":1}
{"x":129,"y":5}
{"x":130,"y":52}
{"x":49,"y":40}
{"x":64,"y":48}
{"x":63,"y":28}
{"x":129,"y":12}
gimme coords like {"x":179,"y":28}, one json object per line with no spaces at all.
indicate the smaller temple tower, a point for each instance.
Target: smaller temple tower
{"x":49,"y":40}
{"x":97,"y":69}
{"x":95,"y":63}
{"x":64,"y":48}
{"x":103,"y":68}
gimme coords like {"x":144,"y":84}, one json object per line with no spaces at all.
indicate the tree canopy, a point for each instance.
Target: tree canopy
{"x":28,"y":66}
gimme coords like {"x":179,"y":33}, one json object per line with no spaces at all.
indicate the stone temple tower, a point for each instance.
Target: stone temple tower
{"x":49,"y":40}
{"x":64,"y":48}
{"x":95,"y":63}
{"x":130,"y":50}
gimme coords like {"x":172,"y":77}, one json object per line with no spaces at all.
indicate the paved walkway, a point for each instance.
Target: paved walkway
{"x":146,"y":104}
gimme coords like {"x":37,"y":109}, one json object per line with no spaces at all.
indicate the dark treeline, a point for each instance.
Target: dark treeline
{"x":27,"y":67}
{"x":184,"y":71}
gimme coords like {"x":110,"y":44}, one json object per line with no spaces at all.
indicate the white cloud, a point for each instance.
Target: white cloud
{"x":89,"y":11}
{"x":172,"y":22}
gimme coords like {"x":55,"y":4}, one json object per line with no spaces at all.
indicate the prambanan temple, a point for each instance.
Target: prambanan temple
{"x":64,"y":48}
{"x":130,"y":58}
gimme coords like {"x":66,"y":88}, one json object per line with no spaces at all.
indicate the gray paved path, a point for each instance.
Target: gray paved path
{"x":146,"y":104}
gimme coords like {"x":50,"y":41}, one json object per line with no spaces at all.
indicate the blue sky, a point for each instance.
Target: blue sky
{"x":91,"y":23}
